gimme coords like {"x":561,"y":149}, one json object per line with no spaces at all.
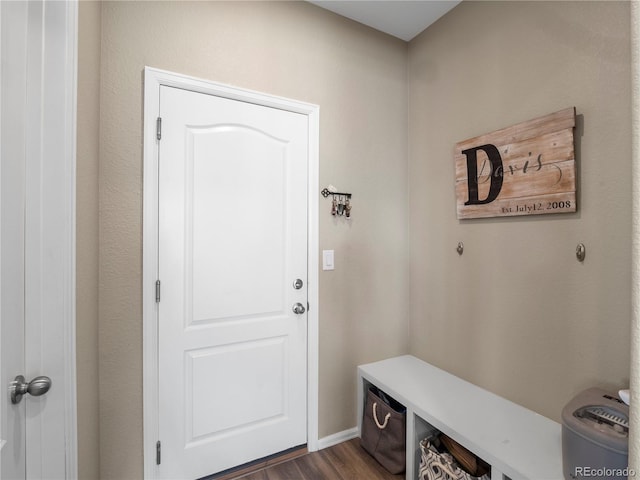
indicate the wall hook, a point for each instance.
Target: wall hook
{"x":340,"y":202}
{"x":326,"y":192}
{"x":581,"y":252}
{"x":460,"y":248}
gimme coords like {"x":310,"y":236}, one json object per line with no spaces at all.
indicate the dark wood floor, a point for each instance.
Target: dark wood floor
{"x":345,"y":461}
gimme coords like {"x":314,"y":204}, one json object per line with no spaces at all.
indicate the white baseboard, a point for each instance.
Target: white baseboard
{"x":331,"y":440}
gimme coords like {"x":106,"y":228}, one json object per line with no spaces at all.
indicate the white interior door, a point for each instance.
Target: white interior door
{"x":233,"y":268}
{"x":37,"y":188}
{"x":13,"y":18}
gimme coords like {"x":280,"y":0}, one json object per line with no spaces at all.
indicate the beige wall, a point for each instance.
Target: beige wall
{"x":517,"y":313}
{"x":359,"y":79}
{"x":87,"y":238}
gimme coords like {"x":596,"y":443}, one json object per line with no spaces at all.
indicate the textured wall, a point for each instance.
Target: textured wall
{"x":87,"y":238}
{"x":517,"y":313}
{"x":292,"y":49}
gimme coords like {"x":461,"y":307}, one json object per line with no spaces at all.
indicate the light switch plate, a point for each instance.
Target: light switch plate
{"x":327,"y":260}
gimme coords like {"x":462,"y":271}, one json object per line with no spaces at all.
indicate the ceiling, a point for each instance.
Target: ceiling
{"x":403,"y":19}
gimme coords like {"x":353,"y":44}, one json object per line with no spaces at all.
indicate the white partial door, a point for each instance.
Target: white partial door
{"x":233,"y":282}
{"x":37,"y":186}
{"x":13,"y":18}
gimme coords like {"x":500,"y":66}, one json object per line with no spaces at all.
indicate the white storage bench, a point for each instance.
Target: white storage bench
{"x":518,"y":443}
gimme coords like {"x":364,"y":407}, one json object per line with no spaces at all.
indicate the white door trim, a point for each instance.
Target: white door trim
{"x":153,"y":79}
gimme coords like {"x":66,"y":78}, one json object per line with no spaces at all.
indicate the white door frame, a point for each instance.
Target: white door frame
{"x":153,"y":79}
{"x":50,"y":157}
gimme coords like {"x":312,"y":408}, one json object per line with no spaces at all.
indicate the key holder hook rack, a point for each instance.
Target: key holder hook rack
{"x":340,"y":203}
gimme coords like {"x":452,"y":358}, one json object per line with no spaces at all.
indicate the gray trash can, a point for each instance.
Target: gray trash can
{"x":595,"y":436}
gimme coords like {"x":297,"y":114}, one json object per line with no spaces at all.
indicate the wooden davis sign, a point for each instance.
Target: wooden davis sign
{"x":526,"y":169}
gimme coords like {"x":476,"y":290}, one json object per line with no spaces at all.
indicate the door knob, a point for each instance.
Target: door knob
{"x":298,"y":309}
{"x":36,"y":387}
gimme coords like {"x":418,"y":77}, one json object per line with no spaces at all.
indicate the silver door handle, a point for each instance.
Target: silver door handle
{"x":36,"y":387}
{"x":298,"y":309}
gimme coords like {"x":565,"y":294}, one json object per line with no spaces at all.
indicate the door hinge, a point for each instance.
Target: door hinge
{"x":157,"y":291}
{"x":159,"y":128}
{"x":158,"y":452}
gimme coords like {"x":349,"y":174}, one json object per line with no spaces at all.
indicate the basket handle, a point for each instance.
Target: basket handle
{"x":375,"y":417}
{"x":447,"y":468}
